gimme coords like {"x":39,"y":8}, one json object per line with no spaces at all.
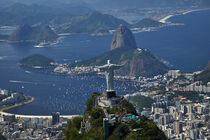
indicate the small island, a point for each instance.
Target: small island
{"x":11,"y":99}
{"x":37,"y":61}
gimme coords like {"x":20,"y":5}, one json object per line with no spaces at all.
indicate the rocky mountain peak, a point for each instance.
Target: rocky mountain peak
{"x":123,"y":37}
{"x":39,"y":33}
{"x":21,"y":33}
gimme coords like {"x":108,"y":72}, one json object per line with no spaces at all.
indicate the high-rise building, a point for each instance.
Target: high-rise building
{"x":174,"y":73}
{"x":167,"y":119}
{"x":55,"y":118}
{"x":190,"y":109}
{"x":178,"y":105}
{"x":177,"y":127}
{"x":194,"y":134}
{"x":184,"y":109}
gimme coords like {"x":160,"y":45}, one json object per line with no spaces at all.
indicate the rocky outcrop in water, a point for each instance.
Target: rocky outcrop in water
{"x":135,"y":61}
{"x":26,"y":33}
{"x":123,"y":37}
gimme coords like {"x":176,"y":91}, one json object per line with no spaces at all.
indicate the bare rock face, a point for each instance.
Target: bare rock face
{"x":123,"y":37}
{"x":22,"y":33}
{"x":26,"y":33}
{"x":136,"y":62}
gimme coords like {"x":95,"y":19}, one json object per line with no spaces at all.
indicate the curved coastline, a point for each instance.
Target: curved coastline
{"x":164,"y":19}
{"x":38,"y":116}
{"x":20,"y":107}
{"x":17,"y":105}
{"x":3,"y":111}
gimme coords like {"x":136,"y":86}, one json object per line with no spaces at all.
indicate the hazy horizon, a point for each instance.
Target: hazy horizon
{"x":106,"y":4}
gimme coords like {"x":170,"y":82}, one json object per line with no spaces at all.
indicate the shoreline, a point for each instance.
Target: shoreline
{"x":3,"y":111}
{"x":184,"y":12}
{"x":17,"y":105}
{"x":195,"y":10}
{"x":164,"y":20}
{"x":39,"y":116}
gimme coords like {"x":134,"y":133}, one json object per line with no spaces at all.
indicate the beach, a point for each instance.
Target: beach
{"x":164,"y":19}
{"x":2,"y":112}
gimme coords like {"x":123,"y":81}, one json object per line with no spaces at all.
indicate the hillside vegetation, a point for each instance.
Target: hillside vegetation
{"x":36,"y":60}
{"x":143,"y":129}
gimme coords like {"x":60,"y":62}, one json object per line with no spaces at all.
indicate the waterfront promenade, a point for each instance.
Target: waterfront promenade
{"x":35,"y":116}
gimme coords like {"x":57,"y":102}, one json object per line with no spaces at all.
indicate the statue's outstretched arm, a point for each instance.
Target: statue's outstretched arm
{"x":102,"y":68}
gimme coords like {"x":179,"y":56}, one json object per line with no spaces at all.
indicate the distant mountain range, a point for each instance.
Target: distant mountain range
{"x":147,"y":3}
{"x":18,"y":14}
{"x":135,"y":61}
{"x":96,"y":22}
{"x":97,"y":4}
{"x":93,"y":22}
{"x":66,"y":18}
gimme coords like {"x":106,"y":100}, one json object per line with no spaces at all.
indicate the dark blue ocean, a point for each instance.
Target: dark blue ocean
{"x":186,"y":47}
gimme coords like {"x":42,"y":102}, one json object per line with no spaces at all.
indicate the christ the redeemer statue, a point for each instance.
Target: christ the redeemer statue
{"x":109,"y":73}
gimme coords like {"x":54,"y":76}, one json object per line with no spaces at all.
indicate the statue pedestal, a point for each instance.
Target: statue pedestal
{"x":110,"y":93}
{"x":108,"y":99}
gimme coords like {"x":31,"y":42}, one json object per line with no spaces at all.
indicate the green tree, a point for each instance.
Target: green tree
{"x":71,"y":132}
{"x":121,"y":131}
{"x":96,"y":133}
{"x":90,"y":102}
{"x":144,"y":129}
{"x":133,"y":136}
{"x":128,"y":107}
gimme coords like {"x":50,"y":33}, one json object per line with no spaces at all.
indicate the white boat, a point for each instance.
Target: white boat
{"x":42,"y":44}
{"x":38,"y":46}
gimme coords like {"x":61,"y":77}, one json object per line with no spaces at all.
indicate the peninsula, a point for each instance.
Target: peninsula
{"x":12,"y":99}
